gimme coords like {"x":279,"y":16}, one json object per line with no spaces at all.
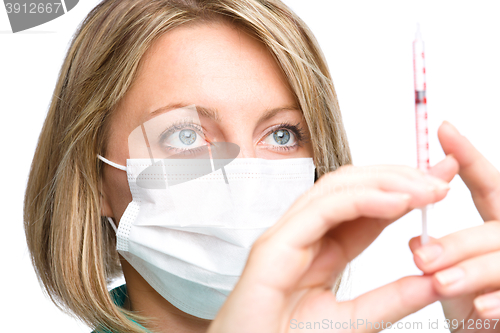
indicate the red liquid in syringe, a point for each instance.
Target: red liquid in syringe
{"x":420,"y":103}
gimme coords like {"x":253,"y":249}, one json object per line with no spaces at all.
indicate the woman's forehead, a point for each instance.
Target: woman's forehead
{"x":190,"y":46}
{"x":215,"y":64}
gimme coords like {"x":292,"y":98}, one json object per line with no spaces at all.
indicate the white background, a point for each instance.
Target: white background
{"x":368,"y":45}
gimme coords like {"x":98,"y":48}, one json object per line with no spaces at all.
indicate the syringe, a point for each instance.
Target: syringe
{"x":421,"y":117}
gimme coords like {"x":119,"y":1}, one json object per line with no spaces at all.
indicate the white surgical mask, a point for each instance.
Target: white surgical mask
{"x":188,"y":232}
{"x":191,"y":241}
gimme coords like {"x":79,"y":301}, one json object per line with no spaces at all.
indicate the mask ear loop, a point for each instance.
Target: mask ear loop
{"x":113,"y":164}
{"x":112,"y":223}
{"x":118,"y":166}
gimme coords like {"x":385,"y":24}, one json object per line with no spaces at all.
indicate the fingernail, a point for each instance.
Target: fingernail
{"x":487,"y":302}
{"x":450,"y":276}
{"x":428,"y":253}
{"x":454,"y":128}
{"x":439,"y":183}
{"x":416,"y":244}
{"x":438,"y":187}
{"x":443,"y":187}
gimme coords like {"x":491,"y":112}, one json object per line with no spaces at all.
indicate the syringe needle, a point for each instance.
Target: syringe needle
{"x":417,"y":34}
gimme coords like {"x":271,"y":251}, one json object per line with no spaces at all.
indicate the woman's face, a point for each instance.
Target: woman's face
{"x":220,"y":68}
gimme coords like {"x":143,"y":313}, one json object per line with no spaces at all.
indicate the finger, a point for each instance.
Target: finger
{"x":488,"y":305}
{"x":284,"y":252}
{"x":310,"y":224}
{"x":480,"y":176}
{"x":452,"y":249}
{"x":350,"y":180}
{"x":329,"y":261}
{"x":287,"y":253}
{"x":343,"y":243}
{"x":469,"y":276}
{"x":416,"y":242}
{"x":375,"y":174}
{"x":446,"y":169}
{"x":354,"y":236}
{"x":279,"y":258}
{"x":393,"y":301}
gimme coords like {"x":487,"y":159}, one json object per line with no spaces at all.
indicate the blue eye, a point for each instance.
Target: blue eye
{"x":281,"y":136}
{"x":182,"y":137}
{"x":187,"y":136}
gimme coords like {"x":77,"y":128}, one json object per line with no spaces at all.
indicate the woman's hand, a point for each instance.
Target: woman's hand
{"x":465,"y":265}
{"x":292,"y":267}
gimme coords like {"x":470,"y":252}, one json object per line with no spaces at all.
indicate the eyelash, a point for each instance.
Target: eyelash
{"x":180,"y":125}
{"x":295,"y":129}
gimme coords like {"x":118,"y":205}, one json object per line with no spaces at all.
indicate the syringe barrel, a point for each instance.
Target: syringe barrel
{"x":423,"y":162}
{"x":421,"y":104}
{"x":419,"y":65}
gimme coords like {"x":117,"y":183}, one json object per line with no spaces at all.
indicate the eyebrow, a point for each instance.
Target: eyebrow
{"x":214,"y":114}
{"x":206,"y":112}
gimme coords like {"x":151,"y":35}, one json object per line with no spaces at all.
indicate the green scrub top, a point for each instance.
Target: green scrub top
{"x":119,"y":296}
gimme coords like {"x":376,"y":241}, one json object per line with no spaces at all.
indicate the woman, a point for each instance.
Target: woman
{"x":259,"y":67}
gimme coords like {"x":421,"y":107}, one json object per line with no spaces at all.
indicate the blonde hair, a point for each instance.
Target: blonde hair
{"x":72,"y":249}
